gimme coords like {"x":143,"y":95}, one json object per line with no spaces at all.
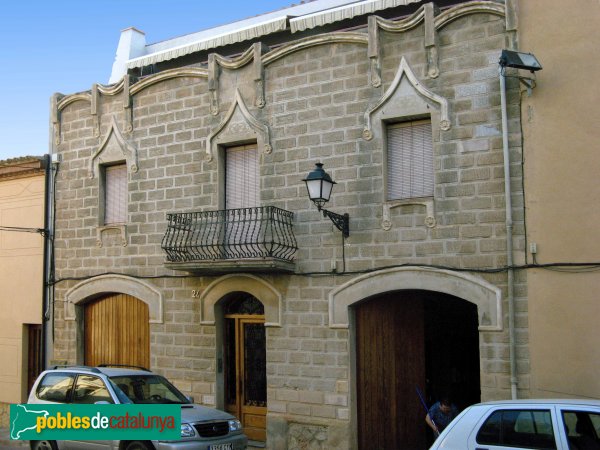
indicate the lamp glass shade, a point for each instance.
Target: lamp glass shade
{"x":319,"y":185}
{"x":326,"y":188}
{"x":314,"y":189}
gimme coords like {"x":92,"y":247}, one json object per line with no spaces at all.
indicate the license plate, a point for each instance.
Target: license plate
{"x":221,"y":447}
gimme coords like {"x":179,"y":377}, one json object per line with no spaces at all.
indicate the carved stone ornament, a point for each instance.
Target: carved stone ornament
{"x":404,"y":71}
{"x":119,"y":232}
{"x":229,"y":130}
{"x":114,"y":148}
{"x":429,"y":221}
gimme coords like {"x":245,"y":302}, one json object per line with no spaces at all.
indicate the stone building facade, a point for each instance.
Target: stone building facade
{"x":415,"y":298}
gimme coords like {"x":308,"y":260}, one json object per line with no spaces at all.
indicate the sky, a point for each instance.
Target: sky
{"x":65,"y":46}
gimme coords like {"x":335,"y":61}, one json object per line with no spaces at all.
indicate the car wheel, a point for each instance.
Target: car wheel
{"x":139,"y":445}
{"x":43,"y":445}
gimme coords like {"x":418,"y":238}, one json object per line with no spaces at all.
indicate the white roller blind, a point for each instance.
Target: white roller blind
{"x":115,"y":190}
{"x":409,"y":160}
{"x":242,"y":177}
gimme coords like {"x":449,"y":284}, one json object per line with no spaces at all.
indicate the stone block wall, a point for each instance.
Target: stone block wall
{"x":316,"y":98}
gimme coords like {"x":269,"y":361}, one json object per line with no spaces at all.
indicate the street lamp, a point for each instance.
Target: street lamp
{"x":319,"y":185}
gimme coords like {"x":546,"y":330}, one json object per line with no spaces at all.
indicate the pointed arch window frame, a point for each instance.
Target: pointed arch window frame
{"x":104,"y":157}
{"x":385,"y":111}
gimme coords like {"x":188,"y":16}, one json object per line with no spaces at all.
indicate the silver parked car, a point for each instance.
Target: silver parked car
{"x":202,"y":428}
{"x":524,"y":424}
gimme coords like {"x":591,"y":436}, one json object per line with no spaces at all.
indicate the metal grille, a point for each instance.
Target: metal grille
{"x":212,"y":429}
{"x":261,"y":232}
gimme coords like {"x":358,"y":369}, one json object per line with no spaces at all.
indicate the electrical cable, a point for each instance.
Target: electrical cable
{"x":24,"y":230}
{"x":582,"y":267}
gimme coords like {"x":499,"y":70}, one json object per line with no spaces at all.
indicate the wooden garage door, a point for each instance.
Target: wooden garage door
{"x":390,"y":365}
{"x":117,"y":331}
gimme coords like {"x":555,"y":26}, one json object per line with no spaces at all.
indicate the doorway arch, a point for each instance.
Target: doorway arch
{"x":404,"y":291}
{"x":90,"y":290}
{"x":259,"y":288}
{"x":486,"y":296}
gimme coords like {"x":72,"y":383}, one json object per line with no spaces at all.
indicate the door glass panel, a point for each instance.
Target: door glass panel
{"x":255,"y":385}
{"x":245,"y":304}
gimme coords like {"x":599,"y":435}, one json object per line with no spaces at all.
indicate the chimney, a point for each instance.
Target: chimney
{"x":132,"y":44}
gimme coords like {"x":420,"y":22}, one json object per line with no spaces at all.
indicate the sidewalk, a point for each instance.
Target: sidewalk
{"x":7,"y":444}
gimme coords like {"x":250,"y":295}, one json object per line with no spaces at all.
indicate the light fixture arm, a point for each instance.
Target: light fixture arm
{"x":341,"y":221}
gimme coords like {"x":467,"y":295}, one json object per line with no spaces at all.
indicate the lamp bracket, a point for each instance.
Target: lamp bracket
{"x":341,"y":221}
{"x":529,"y":82}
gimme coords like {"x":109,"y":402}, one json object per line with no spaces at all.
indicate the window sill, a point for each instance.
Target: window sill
{"x":120,"y":230}
{"x":427,"y":202}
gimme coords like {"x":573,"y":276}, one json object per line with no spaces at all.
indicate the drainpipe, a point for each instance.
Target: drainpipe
{"x":52,"y":159}
{"x":509,"y":240}
{"x":46,"y":270}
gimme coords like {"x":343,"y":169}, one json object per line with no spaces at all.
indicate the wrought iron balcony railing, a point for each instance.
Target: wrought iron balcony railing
{"x":245,"y":238}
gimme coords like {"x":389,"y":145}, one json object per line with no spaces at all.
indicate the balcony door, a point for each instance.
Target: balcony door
{"x":242,"y":177}
{"x":242,"y":197}
{"x":245,"y":363}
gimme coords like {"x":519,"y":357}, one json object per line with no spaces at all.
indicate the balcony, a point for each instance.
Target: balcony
{"x":257,"y":239}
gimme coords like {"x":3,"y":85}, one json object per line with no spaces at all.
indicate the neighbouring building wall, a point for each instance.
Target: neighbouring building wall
{"x":562,"y":167}
{"x":21,"y":265}
{"x":316,"y":96}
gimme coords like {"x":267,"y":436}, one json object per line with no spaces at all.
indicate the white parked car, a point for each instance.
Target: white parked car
{"x":524,"y":424}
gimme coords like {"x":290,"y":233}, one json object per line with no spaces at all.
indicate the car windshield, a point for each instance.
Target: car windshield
{"x":148,"y":389}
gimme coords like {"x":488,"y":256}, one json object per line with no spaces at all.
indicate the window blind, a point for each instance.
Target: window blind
{"x":409,"y":160}
{"x":242,"y":177}
{"x":115,"y":191}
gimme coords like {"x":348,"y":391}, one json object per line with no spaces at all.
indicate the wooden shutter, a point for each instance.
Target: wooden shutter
{"x":409,"y":160}
{"x":115,"y":190}
{"x":242,"y":177}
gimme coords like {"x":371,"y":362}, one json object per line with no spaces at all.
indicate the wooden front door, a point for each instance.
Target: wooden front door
{"x":390,"y":365}
{"x":117,"y":331}
{"x":245,"y":369}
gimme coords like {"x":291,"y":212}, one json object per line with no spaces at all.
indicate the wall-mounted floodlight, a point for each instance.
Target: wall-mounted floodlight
{"x":519,"y":60}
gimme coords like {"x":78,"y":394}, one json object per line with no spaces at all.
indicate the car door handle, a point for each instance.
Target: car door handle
{"x":481,"y":448}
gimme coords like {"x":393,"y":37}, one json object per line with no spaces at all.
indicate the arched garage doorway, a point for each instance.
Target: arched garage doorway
{"x":116,"y":329}
{"x":344,"y":299}
{"x":409,"y":340}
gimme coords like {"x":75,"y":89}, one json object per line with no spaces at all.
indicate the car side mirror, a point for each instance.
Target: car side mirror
{"x":190,"y":398}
